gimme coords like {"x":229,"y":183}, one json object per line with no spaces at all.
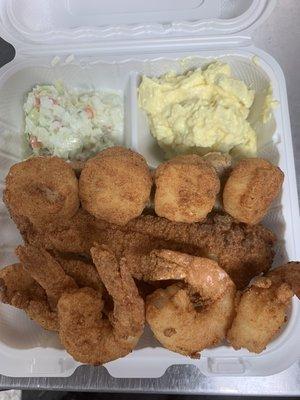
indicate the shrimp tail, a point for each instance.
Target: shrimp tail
{"x":89,"y":335}
{"x":44,"y":269}
{"x":204,"y":276}
{"x":289,"y":274}
{"x":121,"y":286}
{"x":20,"y":290}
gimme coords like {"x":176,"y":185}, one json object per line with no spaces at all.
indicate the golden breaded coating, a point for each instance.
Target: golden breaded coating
{"x":44,"y":269}
{"x":115,"y":185}
{"x":288,"y":273}
{"x":81,"y":270}
{"x":220,"y":161}
{"x":260,"y":314}
{"x":181,"y":327}
{"x":186,"y":189}
{"x":243,"y":251}
{"x":41,"y":190}
{"x":86,"y":332}
{"x":191,"y":317}
{"x":70,"y":236}
{"x":36,"y":286}
{"x":20,"y":290}
{"x":250,"y":189}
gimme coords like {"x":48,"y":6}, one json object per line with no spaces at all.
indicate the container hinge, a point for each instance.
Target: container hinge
{"x":139,"y":46}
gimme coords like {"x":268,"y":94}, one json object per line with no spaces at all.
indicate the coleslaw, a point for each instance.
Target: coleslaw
{"x":70,"y":124}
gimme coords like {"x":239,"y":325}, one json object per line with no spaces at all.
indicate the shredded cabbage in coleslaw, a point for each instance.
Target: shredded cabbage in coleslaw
{"x":72,"y":125}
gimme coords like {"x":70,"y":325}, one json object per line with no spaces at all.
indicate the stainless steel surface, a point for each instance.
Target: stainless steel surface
{"x":279,"y":36}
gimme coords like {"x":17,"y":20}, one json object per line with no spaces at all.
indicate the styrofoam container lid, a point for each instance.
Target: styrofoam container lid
{"x":38,"y":22}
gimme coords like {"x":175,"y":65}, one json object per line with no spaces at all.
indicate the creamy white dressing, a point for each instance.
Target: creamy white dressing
{"x":70,"y":124}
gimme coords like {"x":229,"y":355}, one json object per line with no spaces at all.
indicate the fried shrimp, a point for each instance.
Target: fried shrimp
{"x":45,"y":270}
{"x":84,"y":332}
{"x":191,"y":316}
{"x":250,"y":189}
{"x":260,"y":314}
{"x":41,"y":190}
{"x":220,"y":161}
{"x":115,"y":185}
{"x":19,"y":289}
{"x":243,"y":251}
{"x":186,"y":189}
{"x":288,"y":273}
{"x":81,"y":270}
{"x":70,"y":236}
{"x":36,"y":284}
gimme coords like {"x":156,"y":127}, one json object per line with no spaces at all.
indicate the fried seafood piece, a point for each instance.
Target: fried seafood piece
{"x":41,"y":190}
{"x":76,"y":235}
{"x":250,"y":189}
{"x":220,"y":161}
{"x":20,"y":290}
{"x":187,"y":318}
{"x":136,"y":248}
{"x":81,"y":270}
{"x":288,"y":273}
{"x":77,"y":166}
{"x":260,"y":314}
{"x":19,"y":285}
{"x":84,"y":332}
{"x":45,"y":270}
{"x":186,"y":189}
{"x":243,"y":251}
{"x":115,"y":185}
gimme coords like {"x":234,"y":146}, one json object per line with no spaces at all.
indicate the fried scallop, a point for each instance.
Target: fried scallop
{"x":115,"y":185}
{"x":260,"y":314}
{"x":186,"y":189}
{"x":41,"y":190}
{"x":250,"y":189}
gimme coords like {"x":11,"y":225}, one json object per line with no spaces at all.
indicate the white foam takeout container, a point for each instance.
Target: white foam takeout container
{"x":110,"y":44}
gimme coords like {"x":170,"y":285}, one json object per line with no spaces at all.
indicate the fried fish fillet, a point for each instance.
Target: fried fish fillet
{"x":70,"y":236}
{"x":243,"y":251}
